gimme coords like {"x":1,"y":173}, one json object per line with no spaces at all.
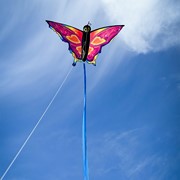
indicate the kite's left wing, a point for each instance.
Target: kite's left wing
{"x":99,"y":38}
{"x":71,"y":35}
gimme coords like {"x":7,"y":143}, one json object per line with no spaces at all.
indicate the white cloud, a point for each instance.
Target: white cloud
{"x":150,"y":25}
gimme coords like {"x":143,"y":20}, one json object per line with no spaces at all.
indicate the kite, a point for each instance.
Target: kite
{"x":85,"y":46}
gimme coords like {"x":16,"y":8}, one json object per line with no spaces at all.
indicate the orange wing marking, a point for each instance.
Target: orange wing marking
{"x":79,"y":49}
{"x":90,"y":50}
{"x":97,"y":41}
{"x":74,"y":39}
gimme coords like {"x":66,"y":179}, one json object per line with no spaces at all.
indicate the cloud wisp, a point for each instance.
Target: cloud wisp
{"x":151,"y":25}
{"x":126,"y":154}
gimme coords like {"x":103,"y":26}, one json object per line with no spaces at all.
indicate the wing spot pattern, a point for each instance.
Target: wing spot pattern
{"x":79,"y":49}
{"x":90,"y":50}
{"x":97,"y":41}
{"x":74,"y":39}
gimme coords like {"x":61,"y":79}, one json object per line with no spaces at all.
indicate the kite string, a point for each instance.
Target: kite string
{"x":31,"y":133}
{"x":84,"y":140}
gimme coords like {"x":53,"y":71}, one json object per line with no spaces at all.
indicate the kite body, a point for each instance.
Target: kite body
{"x":85,"y":42}
{"x":85,"y":45}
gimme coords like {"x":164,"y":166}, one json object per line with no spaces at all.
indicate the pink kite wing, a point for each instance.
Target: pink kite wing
{"x":99,"y":38}
{"x":71,"y":35}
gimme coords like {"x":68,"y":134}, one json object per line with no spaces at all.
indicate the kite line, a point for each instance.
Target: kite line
{"x":84,"y":140}
{"x":31,"y":133}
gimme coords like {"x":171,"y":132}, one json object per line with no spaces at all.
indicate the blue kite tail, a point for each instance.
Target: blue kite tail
{"x":84,"y":140}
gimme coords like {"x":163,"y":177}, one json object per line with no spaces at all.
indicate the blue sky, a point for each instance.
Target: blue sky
{"x":133,"y":108}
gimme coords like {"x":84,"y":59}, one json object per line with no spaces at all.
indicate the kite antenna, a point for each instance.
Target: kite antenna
{"x":89,"y":23}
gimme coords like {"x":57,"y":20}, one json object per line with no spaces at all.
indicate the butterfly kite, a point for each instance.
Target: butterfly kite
{"x":85,"y":46}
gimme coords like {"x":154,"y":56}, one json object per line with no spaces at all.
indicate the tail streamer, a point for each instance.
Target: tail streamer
{"x":84,"y":140}
{"x":31,"y":133}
